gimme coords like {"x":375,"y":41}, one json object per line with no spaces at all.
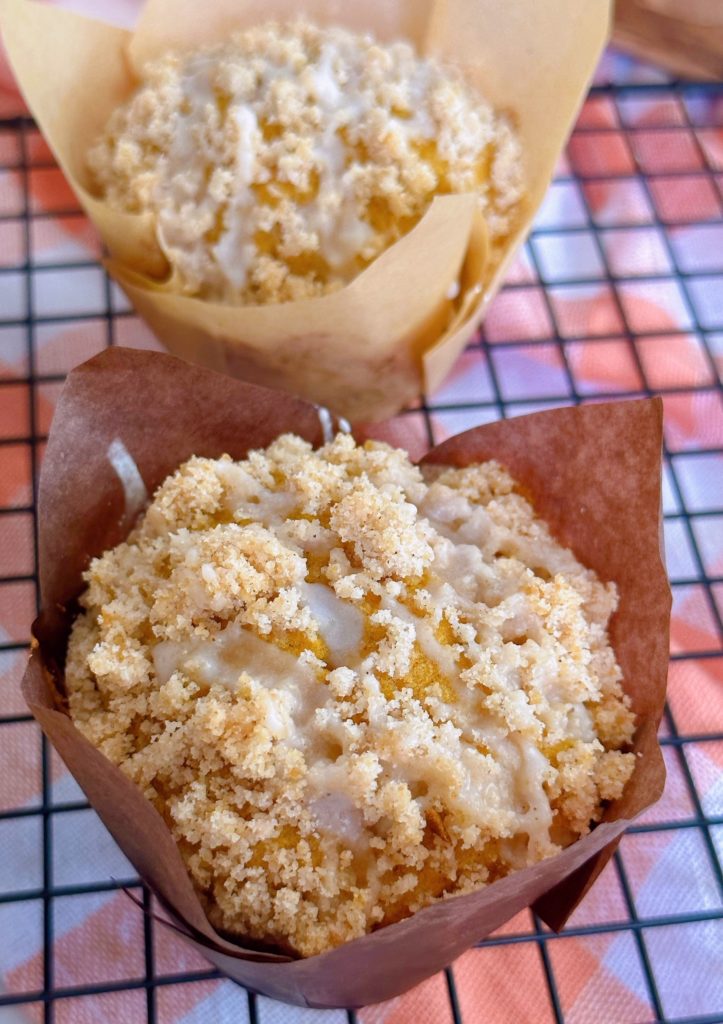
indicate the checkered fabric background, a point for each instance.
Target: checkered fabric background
{"x":618,"y":293}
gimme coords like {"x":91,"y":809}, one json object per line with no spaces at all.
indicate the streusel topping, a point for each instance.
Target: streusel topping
{"x":349,"y":686}
{"x":281,"y":162}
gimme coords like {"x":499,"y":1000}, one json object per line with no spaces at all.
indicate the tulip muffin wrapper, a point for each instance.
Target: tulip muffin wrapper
{"x":370,"y":348}
{"x":126,"y":419}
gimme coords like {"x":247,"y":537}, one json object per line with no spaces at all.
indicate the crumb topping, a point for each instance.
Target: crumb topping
{"x":351,"y":687}
{"x":281,"y":162}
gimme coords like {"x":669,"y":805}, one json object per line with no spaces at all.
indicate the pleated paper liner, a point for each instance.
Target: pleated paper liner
{"x":372,"y":347}
{"x":126,"y":419}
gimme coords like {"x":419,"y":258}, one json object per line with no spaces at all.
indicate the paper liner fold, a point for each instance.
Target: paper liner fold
{"x":370,"y":348}
{"x":593,"y":472}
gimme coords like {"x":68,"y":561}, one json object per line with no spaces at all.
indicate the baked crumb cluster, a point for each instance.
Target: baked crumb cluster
{"x":281,"y":162}
{"x":351,"y":687}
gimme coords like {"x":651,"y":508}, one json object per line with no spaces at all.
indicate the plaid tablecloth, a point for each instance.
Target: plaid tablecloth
{"x":618,"y":293}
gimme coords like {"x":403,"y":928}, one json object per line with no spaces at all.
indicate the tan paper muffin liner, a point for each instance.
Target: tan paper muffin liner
{"x":593,"y":472}
{"x":370,"y":348}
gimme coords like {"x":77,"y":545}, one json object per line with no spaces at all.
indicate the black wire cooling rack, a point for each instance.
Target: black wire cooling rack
{"x":651,"y":190}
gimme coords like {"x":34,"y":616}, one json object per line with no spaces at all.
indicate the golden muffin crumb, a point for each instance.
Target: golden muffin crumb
{"x":280,"y":163}
{"x":351,"y":687}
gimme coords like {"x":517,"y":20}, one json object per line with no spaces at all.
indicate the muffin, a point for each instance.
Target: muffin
{"x":351,"y":687}
{"x":281,"y":162}
{"x":393,"y":332}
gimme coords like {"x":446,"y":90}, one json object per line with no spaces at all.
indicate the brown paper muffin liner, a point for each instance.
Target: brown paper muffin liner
{"x":392,"y":332}
{"x":126,"y":419}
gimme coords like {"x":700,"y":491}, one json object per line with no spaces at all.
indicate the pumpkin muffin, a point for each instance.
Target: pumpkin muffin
{"x":351,"y":686}
{"x":280,"y":163}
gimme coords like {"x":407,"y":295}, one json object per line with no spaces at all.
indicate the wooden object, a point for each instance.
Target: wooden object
{"x":685,"y":36}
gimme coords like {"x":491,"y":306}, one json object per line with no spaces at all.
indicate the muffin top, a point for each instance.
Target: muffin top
{"x":280,"y":163}
{"x":349,"y":686}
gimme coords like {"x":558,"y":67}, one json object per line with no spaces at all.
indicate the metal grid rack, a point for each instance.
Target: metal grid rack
{"x":529,"y":356}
